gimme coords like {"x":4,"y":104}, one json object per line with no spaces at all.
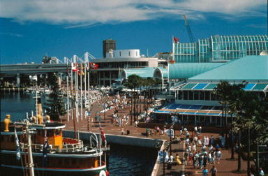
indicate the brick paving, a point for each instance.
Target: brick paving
{"x":226,"y":167}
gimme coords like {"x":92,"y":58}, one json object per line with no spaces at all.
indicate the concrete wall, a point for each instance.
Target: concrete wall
{"x":118,"y":139}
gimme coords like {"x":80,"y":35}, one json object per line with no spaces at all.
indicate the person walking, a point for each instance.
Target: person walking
{"x":205,"y":171}
{"x":261,"y":172}
{"x":213,"y":171}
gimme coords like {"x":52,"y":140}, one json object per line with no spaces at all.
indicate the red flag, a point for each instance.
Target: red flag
{"x":74,"y":67}
{"x":176,"y":40}
{"x":103,"y":136}
{"x":93,"y":65}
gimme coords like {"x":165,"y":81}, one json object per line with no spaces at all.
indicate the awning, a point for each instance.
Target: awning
{"x":182,"y":109}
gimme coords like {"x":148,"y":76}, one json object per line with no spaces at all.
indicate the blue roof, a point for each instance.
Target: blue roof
{"x":142,"y":72}
{"x":187,"y":70}
{"x":247,"y":68}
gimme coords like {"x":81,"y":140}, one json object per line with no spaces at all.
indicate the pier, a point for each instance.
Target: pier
{"x":137,"y":137}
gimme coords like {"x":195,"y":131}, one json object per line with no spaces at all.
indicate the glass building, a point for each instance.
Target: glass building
{"x":220,"y":48}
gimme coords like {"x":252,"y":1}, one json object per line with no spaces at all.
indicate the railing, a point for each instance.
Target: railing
{"x":72,"y":145}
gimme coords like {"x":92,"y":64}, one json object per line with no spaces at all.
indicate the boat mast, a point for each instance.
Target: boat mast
{"x":30,"y":155}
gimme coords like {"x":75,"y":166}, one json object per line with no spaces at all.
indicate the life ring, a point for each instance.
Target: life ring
{"x":102,"y":173}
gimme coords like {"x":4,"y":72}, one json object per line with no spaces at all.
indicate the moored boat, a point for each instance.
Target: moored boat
{"x":52,"y":154}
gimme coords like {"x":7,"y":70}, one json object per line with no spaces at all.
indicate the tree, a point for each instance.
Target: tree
{"x":223,"y":91}
{"x":250,"y":110}
{"x":133,"y":82}
{"x":55,"y":103}
{"x":229,"y":96}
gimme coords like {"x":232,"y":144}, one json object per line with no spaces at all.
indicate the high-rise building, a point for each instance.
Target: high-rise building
{"x":219,"y":48}
{"x":107,"y":46}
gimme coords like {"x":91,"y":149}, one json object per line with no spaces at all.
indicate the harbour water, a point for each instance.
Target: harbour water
{"x":123,"y":160}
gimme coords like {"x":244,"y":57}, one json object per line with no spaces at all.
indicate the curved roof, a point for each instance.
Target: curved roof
{"x":142,"y":72}
{"x":187,"y":70}
{"x":246,"y":68}
{"x":161,"y":72}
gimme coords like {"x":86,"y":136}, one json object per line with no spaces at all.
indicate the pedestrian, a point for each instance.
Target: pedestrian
{"x":211,"y":140}
{"x":205,"y":171}
{"x":261,"y":172}
{"x":213,"y":171}
{"x":218,"y":156}
{"x":177,"y":159}
{"x":205,"y":160}
{"x":122,"y":131}
{"x":199,"y":129}
{"x":195,"y":129}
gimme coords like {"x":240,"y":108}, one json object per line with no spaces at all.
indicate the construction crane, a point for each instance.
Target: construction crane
{"x":189,"y":31}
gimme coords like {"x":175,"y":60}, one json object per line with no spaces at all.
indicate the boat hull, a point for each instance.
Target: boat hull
{"x":19,"y":171}
{"x":55,"y":164}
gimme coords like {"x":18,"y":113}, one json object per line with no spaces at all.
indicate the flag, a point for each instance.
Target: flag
{"x":93,"y":65}
{"x":103,"y":136}
{"x":74,"y":67}
{"x":18,"y":154}
{"x":176,"y":40}
{"x":171,"y":61}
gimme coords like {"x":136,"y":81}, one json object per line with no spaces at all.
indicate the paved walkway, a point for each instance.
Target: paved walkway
{"x":226,"y":167}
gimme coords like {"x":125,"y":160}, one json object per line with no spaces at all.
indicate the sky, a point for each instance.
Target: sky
{"x":31,"y":29}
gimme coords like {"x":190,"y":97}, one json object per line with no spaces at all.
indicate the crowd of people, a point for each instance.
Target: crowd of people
{"x":201,"y":152}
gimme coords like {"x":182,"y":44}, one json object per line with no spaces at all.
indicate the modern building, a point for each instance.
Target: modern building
{"x":219,"y":48}
{"x":195,"y":103}
{"x":125,"y":61}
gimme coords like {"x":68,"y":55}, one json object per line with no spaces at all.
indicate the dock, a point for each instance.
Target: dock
{"x":136,"y":137}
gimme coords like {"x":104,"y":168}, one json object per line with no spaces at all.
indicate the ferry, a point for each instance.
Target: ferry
{"x":39,"y":145}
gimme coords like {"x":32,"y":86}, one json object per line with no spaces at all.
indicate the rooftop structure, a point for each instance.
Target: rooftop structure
{"x":220,"y":48}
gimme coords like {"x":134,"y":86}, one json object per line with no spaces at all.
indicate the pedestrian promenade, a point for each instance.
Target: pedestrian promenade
{"x":225,"y":167}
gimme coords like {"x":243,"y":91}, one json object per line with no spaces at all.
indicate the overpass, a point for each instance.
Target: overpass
{"x":11,"y":70}
{"x":15,"y":69}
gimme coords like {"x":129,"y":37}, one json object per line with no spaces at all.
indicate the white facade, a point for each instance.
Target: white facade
{"x":130,"y":53}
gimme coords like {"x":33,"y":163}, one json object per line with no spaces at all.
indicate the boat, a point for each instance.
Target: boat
{"x":51,"y":152}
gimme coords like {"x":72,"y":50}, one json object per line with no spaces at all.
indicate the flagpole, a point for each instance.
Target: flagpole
{"x":81,"y":92}
{"x":76,"y":96}
{"x":30,"y":155}
{"x":72,"y":90}
{"x":67,"y":89}
{"x":85,"y":83}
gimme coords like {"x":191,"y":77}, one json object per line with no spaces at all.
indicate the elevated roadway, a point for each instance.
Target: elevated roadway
{"x":15,"y":69}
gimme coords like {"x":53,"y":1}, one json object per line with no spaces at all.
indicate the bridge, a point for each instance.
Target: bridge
{"x":15,"y":70}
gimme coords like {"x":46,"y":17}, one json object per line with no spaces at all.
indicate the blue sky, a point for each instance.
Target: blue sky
{"x":30,"y":29}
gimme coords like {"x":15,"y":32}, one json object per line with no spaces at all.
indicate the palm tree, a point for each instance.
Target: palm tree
{"x":229,"y":96}
{"x":223,"y":91}
{"x":246,"y":120}
{"x":251,"y":112}
{"x":133,"y":82}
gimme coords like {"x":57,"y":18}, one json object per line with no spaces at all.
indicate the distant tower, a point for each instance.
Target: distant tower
{"x":108,"y":45}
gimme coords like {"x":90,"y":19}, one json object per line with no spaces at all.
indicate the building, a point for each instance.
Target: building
{"x":196,"y":104}
{"x":117,"y":61}
{"x":219,"y":48}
